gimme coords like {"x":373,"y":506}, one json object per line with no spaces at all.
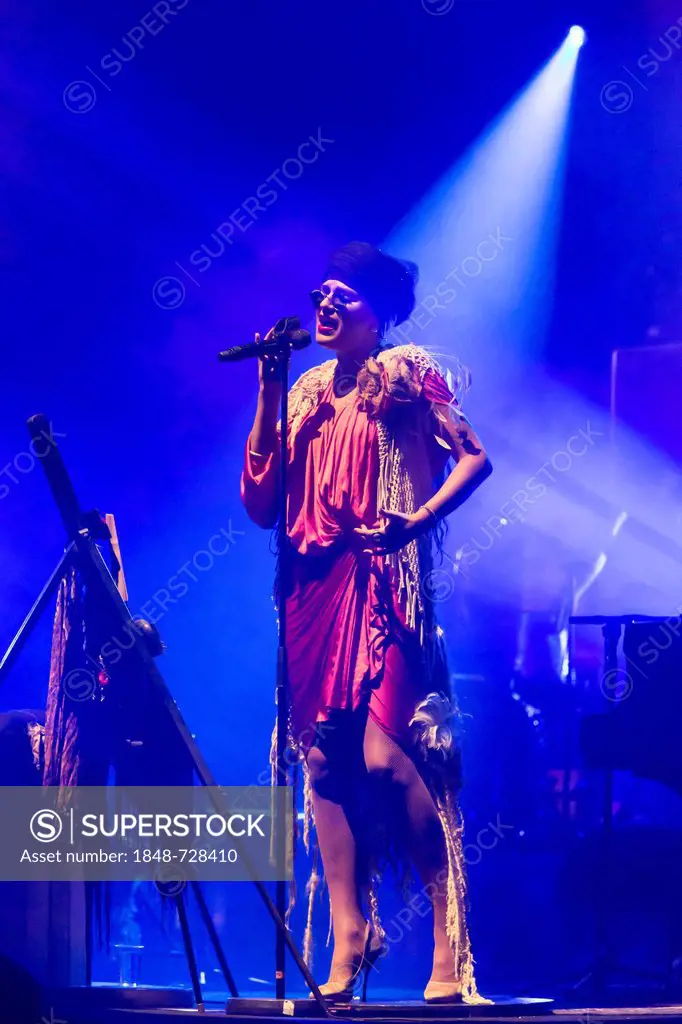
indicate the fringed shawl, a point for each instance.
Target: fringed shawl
{"x":404,"y":481}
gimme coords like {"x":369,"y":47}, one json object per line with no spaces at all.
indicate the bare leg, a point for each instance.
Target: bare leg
{"x":338,"y":846}
{"x":426,"y":843}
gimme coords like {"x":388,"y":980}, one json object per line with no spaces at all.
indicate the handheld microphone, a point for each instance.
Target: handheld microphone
{"x":287,"y":330}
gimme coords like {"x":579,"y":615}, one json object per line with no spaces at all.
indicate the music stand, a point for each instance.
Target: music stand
{"x":82,"y":552}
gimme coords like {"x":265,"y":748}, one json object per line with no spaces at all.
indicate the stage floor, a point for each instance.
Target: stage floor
{"x":397,"y":1013}
{"x":525,"y":1011}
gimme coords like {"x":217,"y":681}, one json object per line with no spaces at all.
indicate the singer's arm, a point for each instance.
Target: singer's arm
{"x":264,"y":436}
{"x":260,"y":476}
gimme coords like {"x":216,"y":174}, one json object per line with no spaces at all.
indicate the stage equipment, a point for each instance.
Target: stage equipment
{"x":646,"y":383}
{"x":285,"y":337}
{"x":645,"y":392}
{"x":639,"y":731}
{"x":577,"y":36}
{"x":148,"y":697}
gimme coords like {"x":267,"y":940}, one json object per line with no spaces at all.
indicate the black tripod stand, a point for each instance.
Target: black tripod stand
{"x":83,"y":554}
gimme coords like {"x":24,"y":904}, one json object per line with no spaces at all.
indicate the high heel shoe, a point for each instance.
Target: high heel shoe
{"x":376,"y":949}
{"x":443,"y":992}
{"x":343,"y":991}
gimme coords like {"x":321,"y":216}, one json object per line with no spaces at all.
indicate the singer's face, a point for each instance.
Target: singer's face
{"x":344,"y":322}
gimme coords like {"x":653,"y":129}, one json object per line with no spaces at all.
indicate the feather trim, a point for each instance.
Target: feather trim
{"x":434,"y":720}
{"x":419,"y":357}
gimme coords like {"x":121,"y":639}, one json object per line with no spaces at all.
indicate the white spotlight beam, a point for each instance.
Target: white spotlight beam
{"x":484,"y":237}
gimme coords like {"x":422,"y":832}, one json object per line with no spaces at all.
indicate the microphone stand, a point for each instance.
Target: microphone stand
{"x":282,"y":683}
{"x":281,"y":344}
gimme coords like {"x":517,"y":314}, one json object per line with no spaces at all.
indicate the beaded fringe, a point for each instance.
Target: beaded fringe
{"x":311,"y":888}
{"x":395,"y":493}
{"x":456,"y":926}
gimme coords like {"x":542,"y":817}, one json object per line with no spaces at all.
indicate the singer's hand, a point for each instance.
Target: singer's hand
{"x":393,"y":531}
{"x":268,"y":372}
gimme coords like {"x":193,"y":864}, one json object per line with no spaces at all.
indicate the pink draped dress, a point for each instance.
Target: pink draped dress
{"x":348,"y":643}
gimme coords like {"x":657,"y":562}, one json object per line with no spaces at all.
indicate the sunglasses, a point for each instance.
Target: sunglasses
{"x":317,"y":297}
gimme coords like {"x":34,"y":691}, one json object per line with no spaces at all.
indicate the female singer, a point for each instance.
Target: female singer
{"x":370,"y":707}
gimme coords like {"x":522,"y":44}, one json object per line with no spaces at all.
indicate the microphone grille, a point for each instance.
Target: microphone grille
{"x":300,"y":338}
